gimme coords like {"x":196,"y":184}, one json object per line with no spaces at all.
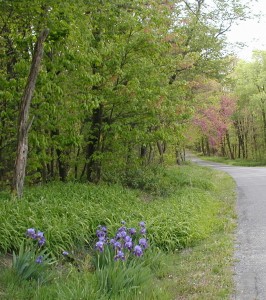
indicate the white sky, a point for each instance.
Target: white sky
{"x":250,"y":32}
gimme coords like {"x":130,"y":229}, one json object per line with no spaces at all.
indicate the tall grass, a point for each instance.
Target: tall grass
{"x":69,"y":213}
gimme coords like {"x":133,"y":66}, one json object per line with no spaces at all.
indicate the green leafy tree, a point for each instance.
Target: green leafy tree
{"x":250,"y":120}
{"x":116,"y":87}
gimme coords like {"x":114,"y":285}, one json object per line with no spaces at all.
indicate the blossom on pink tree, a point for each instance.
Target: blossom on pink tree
{"x":215,"y":120}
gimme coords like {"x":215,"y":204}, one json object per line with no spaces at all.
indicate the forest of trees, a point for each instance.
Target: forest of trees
{"x":236,"y":127}
{"x":123,"y":83}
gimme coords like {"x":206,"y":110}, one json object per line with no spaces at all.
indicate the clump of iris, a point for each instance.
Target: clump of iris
{"x":126,"y":241}
{"x":39,"y":259}
{"x":36,"y":235}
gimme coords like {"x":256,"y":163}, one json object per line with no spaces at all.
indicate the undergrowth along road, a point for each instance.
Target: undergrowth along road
{"x":189,"y":212}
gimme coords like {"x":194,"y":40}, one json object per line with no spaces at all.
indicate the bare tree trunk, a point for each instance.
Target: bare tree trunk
{"x":161,"y":148}
{"x":223,"y":149}
{"x":151,"y":154}
{"x":208,"y":151}
{"x":143,"y":152}
{"x":264,"y":124}
{"x":178,"y":156}
{"x":203,"y":146}
{"x":229,"y":145}
{"x":23,"y":120}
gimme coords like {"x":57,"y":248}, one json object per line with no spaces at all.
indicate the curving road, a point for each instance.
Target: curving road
{"x":250,"y":253}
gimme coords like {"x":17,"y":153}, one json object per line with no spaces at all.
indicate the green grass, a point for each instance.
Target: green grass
{"x":175,"y":221}
{"x":236,"y":162}
{"x":202,"y":272}
{"x":190,"y":224}
{"x":205,"y":270}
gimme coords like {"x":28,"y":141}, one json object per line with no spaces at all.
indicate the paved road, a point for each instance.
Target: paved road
{"x":250,"y":268}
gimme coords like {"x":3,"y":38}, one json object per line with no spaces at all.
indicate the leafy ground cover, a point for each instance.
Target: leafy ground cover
{"x":189,"y":217}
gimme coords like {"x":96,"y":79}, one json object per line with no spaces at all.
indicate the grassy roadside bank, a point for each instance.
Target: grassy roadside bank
{"x":189,"y":230}
{"x":235,"y":162}
{"x":205,"y":270}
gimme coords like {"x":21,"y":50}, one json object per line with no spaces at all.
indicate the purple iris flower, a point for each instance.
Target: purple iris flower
{"x":142,"y":224}
{"x":99,"y":246}
{"x":41,"y":241}
{"x":128,"y":239}
{"x":102,"y":238}
{"x":138,"y":251}
{"x":39,"y":259}
{"x":100,"y":233}
{"x":118,"y":235}
{"x":103,"y":228}
{"x":143,"y":243}
{"x":112,"y":241}
{"x":65,"y":253}
{"x":132,"y":231}
{"x":39,"y":235}
{"x":31,"y":233}
{"x":120,"y":255}
{"x":143,"y":230}
{"x":122,"y":228}
{"x":118,"y":245}
{"x":128,"y":245}
{"x":123,"y":234}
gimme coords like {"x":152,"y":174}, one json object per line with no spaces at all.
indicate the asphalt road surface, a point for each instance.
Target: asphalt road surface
{"x":250,"y":251}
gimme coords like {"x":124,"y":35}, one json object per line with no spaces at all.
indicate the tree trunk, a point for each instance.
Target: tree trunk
{"x":203,"y":146}
{"x":241,"y":141}
{"x":143,"y":151}
{"x":178,"y":156}
{"x":208,"y":151}
{"x":229,"y":145}
{"x":76,"y":164}
{"x":151,"y":154}
{"x":161,"y":148}
{"x":223,"y":150}
{"x":93,"y":166}
{"x":239,"y":147}
{"x":23,"y":120}
{"x":62,"y":167}
{"x":264,"y":124}
{"x":143,"y":154}
{"x":246,"y":145}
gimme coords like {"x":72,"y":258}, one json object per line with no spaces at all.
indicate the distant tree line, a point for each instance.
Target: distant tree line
{"x":242,"y":134}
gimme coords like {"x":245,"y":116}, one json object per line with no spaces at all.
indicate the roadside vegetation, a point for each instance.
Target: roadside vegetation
{"x":189,"y":219}
{"x":236,"y":162}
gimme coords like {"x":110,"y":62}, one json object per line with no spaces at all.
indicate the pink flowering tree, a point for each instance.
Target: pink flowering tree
{"x":214,"y":121}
